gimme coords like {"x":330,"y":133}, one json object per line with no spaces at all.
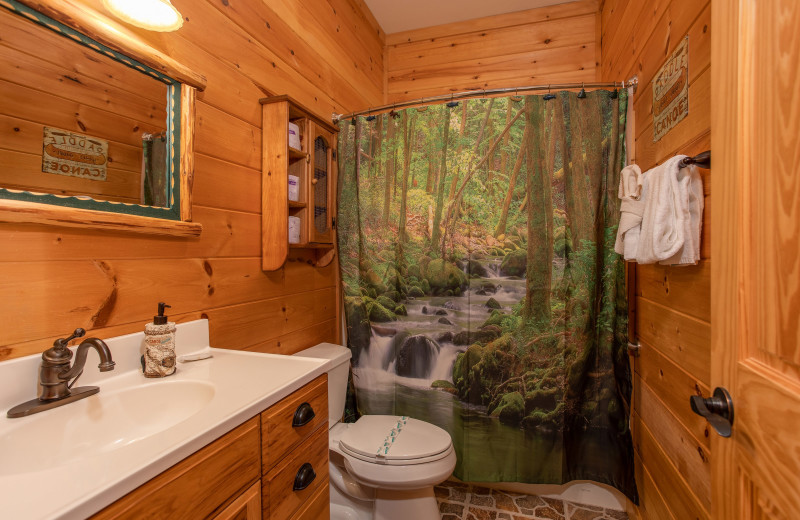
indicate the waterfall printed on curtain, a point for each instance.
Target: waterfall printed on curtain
{"x":482,"y":290}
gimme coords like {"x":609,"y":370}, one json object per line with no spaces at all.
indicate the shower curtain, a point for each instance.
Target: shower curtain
{"x":482,"y":291}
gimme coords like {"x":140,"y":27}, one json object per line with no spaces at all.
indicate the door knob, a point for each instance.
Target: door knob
{"x":717,"y":409}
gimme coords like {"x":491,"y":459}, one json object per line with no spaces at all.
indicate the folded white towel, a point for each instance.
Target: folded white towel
{"x":691,"y":185}
{"x":672,"y":216}
{"x":631,"y":193}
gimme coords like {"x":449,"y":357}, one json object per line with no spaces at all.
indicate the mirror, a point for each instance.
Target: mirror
{"x":84,"y":126}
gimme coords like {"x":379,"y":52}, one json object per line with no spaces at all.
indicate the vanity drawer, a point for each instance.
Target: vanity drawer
{"x":278,"y":434}
{"x":199,"y":485}
{"x":317,"y":507}
{"x":279,"y":498}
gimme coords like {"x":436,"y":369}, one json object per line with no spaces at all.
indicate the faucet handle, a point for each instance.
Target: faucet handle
{"x":62,"y":343}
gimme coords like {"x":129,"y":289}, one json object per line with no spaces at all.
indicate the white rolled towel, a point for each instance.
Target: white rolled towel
{"x":672,"y":217}
{"x":632,"y":197}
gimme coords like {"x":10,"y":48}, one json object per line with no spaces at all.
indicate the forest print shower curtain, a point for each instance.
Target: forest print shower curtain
{"x":482,"y":291}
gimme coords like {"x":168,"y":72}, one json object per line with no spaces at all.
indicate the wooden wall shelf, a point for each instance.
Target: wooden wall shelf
{"x":314,"y":164}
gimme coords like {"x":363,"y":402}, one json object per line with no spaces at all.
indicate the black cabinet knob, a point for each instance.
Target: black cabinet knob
{"x":303,"y":415}
{"x":305,"y":476}
{"x":717,"y":410}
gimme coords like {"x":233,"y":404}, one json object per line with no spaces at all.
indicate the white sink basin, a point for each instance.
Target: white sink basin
{"x":98,"y":424}
{"x":100,"y":448}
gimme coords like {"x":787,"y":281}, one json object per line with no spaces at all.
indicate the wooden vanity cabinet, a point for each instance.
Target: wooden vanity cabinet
{"x":247,"y":474}
{"x":226,"y":468}
{"x":246,"y":507}
{"x":287,"y":445}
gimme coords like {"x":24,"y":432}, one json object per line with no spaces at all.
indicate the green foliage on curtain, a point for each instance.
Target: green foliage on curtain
{"x":482,"y":291}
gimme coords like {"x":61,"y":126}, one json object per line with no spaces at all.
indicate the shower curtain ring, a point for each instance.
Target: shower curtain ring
{"x":549,"y":94}
{"x":451,"y":103}
{"x":582,"y":93}
{"x":516,"y":98}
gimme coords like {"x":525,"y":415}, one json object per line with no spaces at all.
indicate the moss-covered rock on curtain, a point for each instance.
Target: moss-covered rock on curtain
{"x":482,"y":289}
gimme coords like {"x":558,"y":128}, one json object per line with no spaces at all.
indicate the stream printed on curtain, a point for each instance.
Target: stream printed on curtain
{"x":482,"y":290}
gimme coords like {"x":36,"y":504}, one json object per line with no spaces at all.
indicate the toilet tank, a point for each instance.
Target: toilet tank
{"x":338,"y":371}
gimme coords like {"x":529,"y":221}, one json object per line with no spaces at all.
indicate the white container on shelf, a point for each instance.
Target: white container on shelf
{"x":294,"y":188}
{"x":294,"y":230}
{"x":294,"y":136}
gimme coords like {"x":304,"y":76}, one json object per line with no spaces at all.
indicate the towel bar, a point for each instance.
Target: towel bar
{"x":702,"y":160}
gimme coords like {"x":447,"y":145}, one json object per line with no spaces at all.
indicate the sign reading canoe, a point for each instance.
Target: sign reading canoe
{"x":671,"y":91}
{"x":74,"y":155}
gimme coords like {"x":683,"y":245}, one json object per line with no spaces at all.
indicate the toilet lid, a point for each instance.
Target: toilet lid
{"x":394,"y":439}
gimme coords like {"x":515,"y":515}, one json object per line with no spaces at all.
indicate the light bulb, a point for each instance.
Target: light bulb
{"x":153,"y":15}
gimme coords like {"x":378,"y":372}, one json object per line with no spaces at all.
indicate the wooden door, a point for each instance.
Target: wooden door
{"x":321,"y":146}
{"x":755,"y":284}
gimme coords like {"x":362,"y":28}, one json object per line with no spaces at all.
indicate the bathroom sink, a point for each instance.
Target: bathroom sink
{"x":88,"y":453}
{"x":108,"y":421}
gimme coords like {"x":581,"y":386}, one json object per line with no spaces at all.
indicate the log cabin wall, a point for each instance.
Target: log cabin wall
{"x":672,"y":304}
{"x":537,"y":46}
{"x":326,"y":54}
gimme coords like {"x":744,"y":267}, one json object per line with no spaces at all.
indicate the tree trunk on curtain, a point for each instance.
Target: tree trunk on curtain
{"x":408,"y":137}
{"x":516,"y":347}
{"x":512,"y":183}
{"x":461,"y":130}
{"x":375,"y":163}
{"x":388,"y":169}
{"x":430,"y":181}
{"x":540,"y":217}
{"x":504,"y":150}
{"x":577,"y":191}
{"x":437,"y":212}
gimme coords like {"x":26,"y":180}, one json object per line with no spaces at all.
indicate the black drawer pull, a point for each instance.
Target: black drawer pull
{"x":304,"y":415}
{"x":305,"y":476}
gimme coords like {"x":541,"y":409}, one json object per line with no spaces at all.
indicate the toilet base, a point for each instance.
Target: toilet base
{"x":418,"y":504}
{"x":353,"y":501}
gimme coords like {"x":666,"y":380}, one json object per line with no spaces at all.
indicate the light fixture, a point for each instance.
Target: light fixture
{"x":153,"y":15}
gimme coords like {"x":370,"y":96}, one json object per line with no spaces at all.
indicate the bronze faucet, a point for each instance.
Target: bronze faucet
{"x":56,"y":377}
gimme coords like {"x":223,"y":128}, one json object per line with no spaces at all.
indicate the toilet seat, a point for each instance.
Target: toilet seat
{"x":402,"y":477}
{"x":395,"y":440}
{"x":421,"y":456}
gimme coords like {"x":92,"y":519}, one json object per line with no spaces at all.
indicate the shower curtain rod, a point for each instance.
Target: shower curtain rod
{"x":633,"y":82}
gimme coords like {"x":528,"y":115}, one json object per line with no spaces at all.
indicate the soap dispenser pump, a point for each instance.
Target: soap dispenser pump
{"x":159,"y":339}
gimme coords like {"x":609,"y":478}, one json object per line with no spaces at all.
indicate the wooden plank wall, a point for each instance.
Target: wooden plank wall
{"x":327,"y":54}
{"x":673,"y":304}
{"x":548,"y":44}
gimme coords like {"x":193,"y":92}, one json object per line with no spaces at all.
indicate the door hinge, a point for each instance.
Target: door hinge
{"x":333,"y":222}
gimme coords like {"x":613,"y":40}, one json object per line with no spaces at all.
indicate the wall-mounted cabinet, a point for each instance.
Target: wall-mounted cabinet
{"x":309,"y":158}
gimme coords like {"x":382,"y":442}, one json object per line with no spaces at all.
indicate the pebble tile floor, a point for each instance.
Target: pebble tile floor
{"x":459,"y":501}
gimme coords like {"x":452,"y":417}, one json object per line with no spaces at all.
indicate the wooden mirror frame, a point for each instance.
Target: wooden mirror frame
{"x":93,"y":29}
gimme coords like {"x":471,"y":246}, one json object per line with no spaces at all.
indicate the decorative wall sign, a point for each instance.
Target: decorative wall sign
{"x":671,"y":91}
{"x":74,"y":155}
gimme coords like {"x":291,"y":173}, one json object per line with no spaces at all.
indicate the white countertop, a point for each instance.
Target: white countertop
{"x":84,"y":478}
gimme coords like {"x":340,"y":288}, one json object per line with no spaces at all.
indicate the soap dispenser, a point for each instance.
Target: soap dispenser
{"x":159,"y":340}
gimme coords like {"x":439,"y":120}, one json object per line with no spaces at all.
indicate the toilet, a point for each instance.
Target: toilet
{"x":382,"y":467}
